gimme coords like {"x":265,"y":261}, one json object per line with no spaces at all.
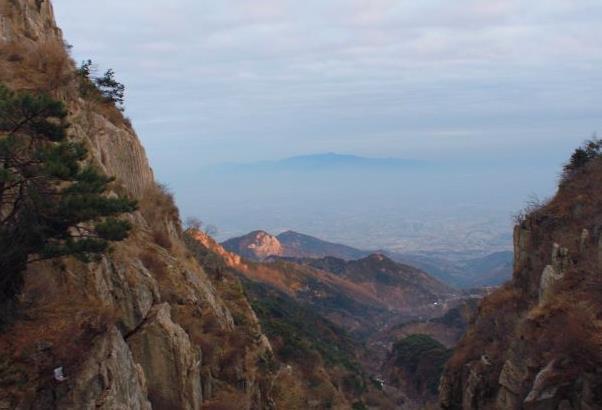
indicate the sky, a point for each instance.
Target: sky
{"x":499,"y":81}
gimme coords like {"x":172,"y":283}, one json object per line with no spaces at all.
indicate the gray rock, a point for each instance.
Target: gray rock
{"x":170,"y":362}
{"x":545,"y":389}
{"x":512,"y":377}
{"x":109,"y":379}
{"x":549,"y":278}
{"x":560,"y":258}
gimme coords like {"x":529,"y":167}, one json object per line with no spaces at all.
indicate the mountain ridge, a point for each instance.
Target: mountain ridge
{"x":259,"y":244}
{"x":464,"y":272}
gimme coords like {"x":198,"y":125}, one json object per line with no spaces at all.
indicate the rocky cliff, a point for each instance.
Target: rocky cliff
{"x":536,"y":343}
{"x":142,"y":327}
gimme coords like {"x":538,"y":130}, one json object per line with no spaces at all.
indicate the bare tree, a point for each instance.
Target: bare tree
{"x":193,"y":222}
{"x":211,"y":230}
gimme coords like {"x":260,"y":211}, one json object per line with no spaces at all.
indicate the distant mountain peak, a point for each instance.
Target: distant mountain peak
{"x":256,"y":245}
{"x":377,"y":257}
{"x":259,"y":245}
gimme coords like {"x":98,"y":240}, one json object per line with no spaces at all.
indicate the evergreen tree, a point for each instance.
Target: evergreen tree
{"x":107,"y":88}
{"x":51,"y":204}
{"x":591,"y":149}
{"x":111,"y":89}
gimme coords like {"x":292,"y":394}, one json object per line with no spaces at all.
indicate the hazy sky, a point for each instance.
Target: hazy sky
{"x":513,"y":85}
{"x":230,"y":80}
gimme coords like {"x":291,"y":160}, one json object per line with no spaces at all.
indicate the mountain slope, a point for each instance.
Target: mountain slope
{"x":305,"y":246}
{"x":462,"y":271}
{"x":536,"y":342}
{"x":319,"y":361}
{"x":137,"y":327}
{"x":399,"y":287}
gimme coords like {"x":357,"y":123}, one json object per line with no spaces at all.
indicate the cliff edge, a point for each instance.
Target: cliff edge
{"x":143,"y":326}
{"x":536,"y":343}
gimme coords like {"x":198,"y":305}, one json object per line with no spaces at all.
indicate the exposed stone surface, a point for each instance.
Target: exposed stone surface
{"x":560,"y":258}
{"x":512,"y":377}
{"x":549,"y":277}
{"x":170,"y":362}
{"x":115,"y":148}
{"x":110,"y":379}
{"x":521,"y":247}
{"x":544,"y":390}
{"x":33,"y":19}
{"x":233,"y":260}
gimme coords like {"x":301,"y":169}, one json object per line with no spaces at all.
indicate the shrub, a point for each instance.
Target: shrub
{"x":423,"y":358}
{"x":567,"y":329}
{"x":52,"y":205}
{"x":104,"y":88}
{"x":588,"y":151}
{"x":534,"y":204}
{"x":157,"y":205}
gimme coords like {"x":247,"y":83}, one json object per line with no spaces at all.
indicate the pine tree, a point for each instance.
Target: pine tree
{"x":51,"y":203}
{"x":111,"y":89}
{"x":590,"y":150}
{"x":106,"y":88}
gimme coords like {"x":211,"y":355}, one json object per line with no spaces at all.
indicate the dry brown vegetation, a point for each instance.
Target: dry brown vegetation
{"x":43,"y":67}
{"x":154,"y":264}
{"x":566,"y":329}
{"x":158,"y":208}
{"x":157,"y":204}
{"x":494,"y":325}
{"x":51,"y":335}
{"x":227,"y":400}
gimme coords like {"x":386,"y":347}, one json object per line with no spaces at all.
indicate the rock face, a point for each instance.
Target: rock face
{"x":165,"y":352}
{"x":110,"y":379}
{"x":232,"y":260}
{"x":33,"y":19}
{"x":541,"y":334}
{"x":144,"y":326}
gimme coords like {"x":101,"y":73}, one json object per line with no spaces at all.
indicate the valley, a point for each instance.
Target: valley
{"x":373,"y":301}
{"x":373,"y":283}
